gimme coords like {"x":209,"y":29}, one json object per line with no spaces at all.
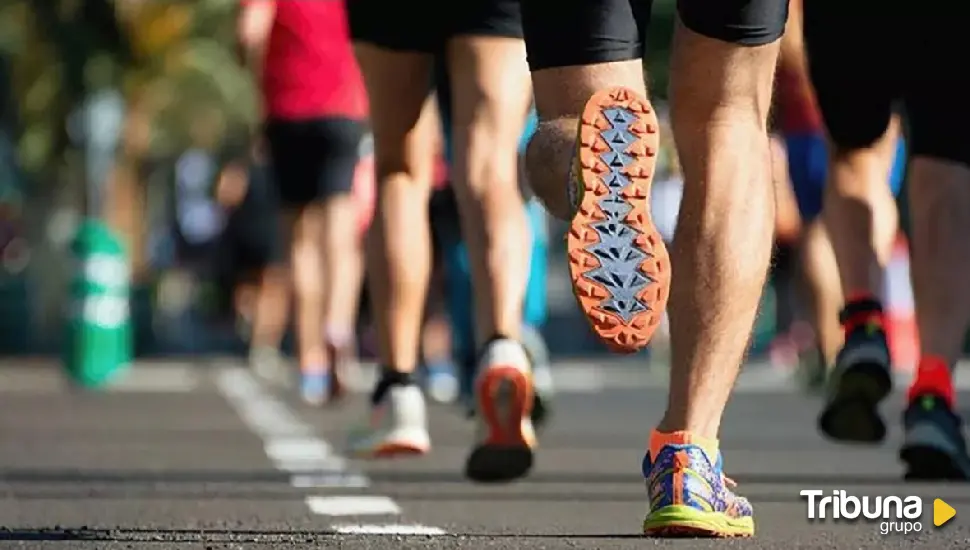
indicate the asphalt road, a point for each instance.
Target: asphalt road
{"x":214,"y":459}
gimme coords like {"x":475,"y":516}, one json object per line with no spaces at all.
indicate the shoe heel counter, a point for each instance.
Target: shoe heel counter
{"x":682,"y":476}
{"x":408,"y":407}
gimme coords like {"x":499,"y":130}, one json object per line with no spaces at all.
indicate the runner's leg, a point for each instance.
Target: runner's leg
{"x":346,"y":182}
{"x":394,"y":53}
{"x":855,"y":81}
{"x":490,"y":92}
{"x":721,"y":90}
{"x":934,"y":445}
{"x":623,"y":303}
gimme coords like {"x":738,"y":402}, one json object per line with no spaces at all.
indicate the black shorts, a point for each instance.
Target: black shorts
{"x":563,"y":33}
{"x":316,"y":158}
{"x":869,"y":60}
{"x":253,"y":237}
{"x":426,"y":26}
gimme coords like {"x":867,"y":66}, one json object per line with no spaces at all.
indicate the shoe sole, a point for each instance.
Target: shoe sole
{"x":678,"y":521}
{"x":618,"y":262}
{"x":505,"y":397}
{"x":399,"y":449}
{"x":927,"y":463}
{"x":931,"y":455}
{"x":852,"y":414}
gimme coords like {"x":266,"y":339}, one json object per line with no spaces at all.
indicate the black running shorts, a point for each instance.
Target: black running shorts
{"x":425,"y":26}
{"x":253,"y":237}
{"x":563,"y":33}
{"x":314,"y":159}
{"x":876,"y":57}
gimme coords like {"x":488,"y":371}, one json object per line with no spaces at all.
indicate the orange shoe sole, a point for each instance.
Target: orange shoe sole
{"x":507,"y":451}
{"x":399,"y":450}
{"x":618,"y":263}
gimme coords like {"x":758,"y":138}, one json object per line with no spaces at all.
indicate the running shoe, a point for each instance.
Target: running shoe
{"x":315,"y":387}
{"x":441,"y":382}
{"x":690,"y":497}
{"x":618,"y":262}
{"x":396,"y":425}
{"x":933,"y":445}
{"x":861,"y":378}
{"x":267,"y":363}
{"x":812,"y":370}
{"x":504,"y":393}
{"x":538,"y":351}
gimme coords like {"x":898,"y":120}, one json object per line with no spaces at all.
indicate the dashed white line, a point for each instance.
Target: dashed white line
{"x":387,"y":530}
{"x":353,"y":506}
{"x":290,"y":444}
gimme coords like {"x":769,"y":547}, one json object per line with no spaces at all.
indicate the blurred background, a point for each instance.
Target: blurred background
{"x":106,"y":105}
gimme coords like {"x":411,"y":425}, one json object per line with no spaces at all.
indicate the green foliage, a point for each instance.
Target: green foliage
{"x":173,"y":59}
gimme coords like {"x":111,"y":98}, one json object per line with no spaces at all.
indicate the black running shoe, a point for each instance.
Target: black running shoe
{"x":933,"y":447}
{"x":861,"y":378}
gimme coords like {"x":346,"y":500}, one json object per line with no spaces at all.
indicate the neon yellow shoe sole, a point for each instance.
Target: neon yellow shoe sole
{"x":686,"y":521}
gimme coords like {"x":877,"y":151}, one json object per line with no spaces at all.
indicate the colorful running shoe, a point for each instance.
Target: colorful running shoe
{"x":690,"y":497}
{"x":396,"y":425}
{"x":934,"y":447}
{"x":504,"y":399}
{"x":861,"y":378}
{"x":618,"y":262}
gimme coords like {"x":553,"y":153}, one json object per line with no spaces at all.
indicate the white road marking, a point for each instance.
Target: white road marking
{"x":353,"y":506}
{"x":290,"y":444}
{"x":296,"y":449}
{"x":388,"y":530}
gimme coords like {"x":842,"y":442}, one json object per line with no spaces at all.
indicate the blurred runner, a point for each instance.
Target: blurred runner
{"x":254,"y":247}
{"x":447,"y":231}
{"x":491,"y":96}
{"x":860,"y":70}
{"x":801,"y":127}
{"x":315,"y":110}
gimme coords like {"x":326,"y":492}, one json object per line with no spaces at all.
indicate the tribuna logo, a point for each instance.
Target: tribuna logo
{"x":895,"y":514}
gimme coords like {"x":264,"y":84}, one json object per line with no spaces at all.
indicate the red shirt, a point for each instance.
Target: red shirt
{"x":796,"y":110}
{"x":310,"y":70}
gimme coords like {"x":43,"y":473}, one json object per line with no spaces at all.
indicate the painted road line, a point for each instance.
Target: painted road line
{"x":353,"y":506}
{"x":303,"y":448}
{"x":400,"y":530}
{"x":314,"y":464}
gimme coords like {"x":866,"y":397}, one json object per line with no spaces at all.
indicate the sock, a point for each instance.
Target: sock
{"x":932,"y":378}
{"x":388,"y":379}
{"x":659,"y":440}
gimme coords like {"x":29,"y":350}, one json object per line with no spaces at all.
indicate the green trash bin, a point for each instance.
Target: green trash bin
{"x":98,"y":344}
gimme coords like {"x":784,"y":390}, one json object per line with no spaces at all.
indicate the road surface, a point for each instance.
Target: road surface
{"x":186,"y":457}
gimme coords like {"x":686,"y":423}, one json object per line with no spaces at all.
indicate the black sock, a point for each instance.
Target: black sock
{"x":388,"y":379}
